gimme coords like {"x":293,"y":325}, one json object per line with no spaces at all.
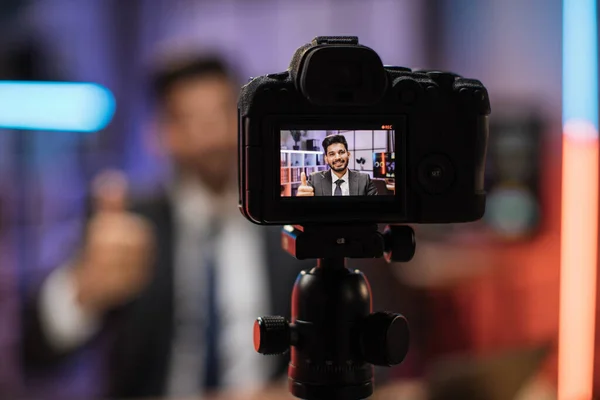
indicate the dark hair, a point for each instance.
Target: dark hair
{"x":331,"y":139}
{"x":182,"y":69}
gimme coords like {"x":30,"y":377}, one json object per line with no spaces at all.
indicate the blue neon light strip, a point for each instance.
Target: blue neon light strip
{"x":55,"y":106}
{"x":580,"y":61}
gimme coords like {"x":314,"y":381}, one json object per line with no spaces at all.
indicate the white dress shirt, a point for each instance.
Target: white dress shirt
{"x":345,"y":186}
{"x":242,"y":294}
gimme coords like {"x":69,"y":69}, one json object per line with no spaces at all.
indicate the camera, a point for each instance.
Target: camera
{"x":422,"y":133}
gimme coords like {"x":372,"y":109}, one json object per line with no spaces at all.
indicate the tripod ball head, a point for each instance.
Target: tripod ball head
{"x":335,"y":338}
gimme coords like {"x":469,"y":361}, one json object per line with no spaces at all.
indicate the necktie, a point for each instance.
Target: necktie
{"x":211,"y":345}
{"x":338,"y":187}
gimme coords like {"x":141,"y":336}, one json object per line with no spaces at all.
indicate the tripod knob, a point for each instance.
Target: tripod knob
{"x":385,"y":338}
{"x":399,"y":243}
{"x":271,"y":335}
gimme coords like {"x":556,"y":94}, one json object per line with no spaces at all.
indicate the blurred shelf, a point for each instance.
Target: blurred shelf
{"x":293,"y":163}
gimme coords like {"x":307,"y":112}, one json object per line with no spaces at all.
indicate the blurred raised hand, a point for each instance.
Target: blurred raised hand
{"x":114,"y":264}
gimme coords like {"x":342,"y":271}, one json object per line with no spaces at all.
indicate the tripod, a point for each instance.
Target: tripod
{"x":334,"y":336}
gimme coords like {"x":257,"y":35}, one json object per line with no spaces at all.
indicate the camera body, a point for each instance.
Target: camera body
{"x":434,"y":124}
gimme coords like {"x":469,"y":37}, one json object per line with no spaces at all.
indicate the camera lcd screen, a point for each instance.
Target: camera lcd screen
{"x":316,"y":163}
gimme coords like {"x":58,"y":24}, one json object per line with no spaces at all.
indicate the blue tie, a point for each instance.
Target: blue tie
{"x":211,"y":364}
{"x":338,"y":187}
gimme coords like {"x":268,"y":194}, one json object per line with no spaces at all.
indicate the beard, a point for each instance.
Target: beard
{"x":339,"y":167}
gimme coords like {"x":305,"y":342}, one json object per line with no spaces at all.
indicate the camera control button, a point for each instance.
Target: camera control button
{"x":284,"y":96}
{"x":442,"y":78}
{"x":465,"y":92}
{"x":432,"y":92}
{"x":435,"y":173}
{"x":408,"y":90}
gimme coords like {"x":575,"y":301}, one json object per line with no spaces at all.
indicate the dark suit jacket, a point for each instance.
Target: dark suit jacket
{"x":360,"y":184}
{"x":141,"y":331}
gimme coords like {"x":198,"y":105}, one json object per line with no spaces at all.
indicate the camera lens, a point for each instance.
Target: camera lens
{"x":436,"y":173}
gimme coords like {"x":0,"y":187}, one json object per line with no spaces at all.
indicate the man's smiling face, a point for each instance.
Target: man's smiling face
{"x":337,"y":157}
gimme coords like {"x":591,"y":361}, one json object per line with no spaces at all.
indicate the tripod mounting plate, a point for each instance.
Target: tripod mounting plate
{"x":396,"y":243}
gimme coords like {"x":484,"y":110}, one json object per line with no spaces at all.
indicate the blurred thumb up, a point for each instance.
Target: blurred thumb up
{"x":109,"y":192}
{"x":115,"y":262}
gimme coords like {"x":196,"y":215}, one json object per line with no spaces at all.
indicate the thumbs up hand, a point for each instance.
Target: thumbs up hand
{"x":304,"y":190}
{"x":114,"y":264}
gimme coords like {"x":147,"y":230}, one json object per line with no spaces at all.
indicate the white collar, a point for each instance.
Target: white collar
{"x":334,"y":177}
{"x":195,"y":203}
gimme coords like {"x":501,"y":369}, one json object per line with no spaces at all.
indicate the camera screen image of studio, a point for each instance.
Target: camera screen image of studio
{"x":337,"y":162}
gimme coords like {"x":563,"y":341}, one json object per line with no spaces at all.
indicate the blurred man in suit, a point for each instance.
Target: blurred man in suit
{"x":339,"y":180}
{"x":175,"y":281}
